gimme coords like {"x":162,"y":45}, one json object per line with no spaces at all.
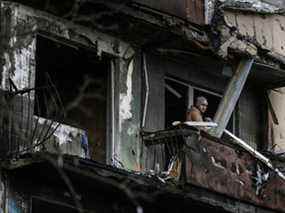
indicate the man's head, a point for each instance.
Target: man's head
{"x":201,"y":103}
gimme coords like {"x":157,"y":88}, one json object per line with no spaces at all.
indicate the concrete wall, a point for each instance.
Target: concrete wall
{"x":267,"y":30}
{"x":194,"y":11}
{"x":128,"y":94}
{"x":277,"y":98}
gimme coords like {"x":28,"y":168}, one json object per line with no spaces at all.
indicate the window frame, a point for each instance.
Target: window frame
{"x":111,"y":102}
{"x":190,"y":98}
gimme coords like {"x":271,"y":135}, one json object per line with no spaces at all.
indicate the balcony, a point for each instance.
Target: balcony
{"x":226,"y":165}
{"x":29,"y":124}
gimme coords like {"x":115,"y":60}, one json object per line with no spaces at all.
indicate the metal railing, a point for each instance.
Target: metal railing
{"x":20,"y":130}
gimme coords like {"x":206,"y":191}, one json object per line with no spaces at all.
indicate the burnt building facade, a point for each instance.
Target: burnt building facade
{"x":94,"y":96}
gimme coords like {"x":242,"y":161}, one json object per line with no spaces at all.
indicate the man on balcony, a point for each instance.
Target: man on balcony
{"x":196,"y":112}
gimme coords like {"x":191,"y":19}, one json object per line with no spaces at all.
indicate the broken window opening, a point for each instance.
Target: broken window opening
{"x":82,"y":81}
{"x":181,"y":95}
{"x":175,"y":102}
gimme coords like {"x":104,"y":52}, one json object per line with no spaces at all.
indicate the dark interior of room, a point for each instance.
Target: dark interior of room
{"x":81,"y":79}
{"x":176,"y":103}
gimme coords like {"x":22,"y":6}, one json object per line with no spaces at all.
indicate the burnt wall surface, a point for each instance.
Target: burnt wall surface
{"x":235,"y":172}
{"x":193,"y":11}
{"x":251,"y":116}
{"x":155,"y":111}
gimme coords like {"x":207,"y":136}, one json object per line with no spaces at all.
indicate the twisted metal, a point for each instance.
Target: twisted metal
{"x":22,"y":128}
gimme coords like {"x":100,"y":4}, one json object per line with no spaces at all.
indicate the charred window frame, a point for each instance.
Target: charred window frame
{"x":187,"y":93}
{"x":107,"y":60}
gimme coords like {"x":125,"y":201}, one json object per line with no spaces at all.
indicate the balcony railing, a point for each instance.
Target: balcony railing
{"x":228,"y":166}
{"x":23,"y":128}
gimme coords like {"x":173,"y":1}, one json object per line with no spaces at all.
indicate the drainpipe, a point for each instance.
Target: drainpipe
{"x":147,"y":90}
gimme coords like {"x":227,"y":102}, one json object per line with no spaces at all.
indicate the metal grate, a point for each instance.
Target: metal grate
{"x":20,"y":130}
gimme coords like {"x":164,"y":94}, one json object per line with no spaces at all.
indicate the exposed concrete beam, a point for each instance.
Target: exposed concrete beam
{"x":231,"y":96}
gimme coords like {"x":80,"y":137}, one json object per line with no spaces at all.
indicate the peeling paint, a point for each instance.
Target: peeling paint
{"x":261,"y":178}
{"x":66,"y":134}
{"x":6,"y":68}
{"x":133,"y":129}
{"x":23,"y":72}
{"x":216,"y":164}
{"x":126,"y":98}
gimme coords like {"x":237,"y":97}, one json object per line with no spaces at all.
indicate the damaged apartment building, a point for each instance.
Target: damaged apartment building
{"x":94,"y":95}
